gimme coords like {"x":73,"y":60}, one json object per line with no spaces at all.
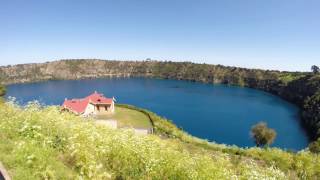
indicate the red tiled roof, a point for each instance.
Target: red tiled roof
{"x":79,"y":105}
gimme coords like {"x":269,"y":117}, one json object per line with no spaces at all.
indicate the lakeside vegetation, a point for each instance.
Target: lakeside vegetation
{"x":43,"y":143}
{"x":262,"y":134}
{"x":2,"y":90}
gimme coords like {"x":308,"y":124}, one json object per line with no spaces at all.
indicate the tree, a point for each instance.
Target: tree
{"x":262,"y":134}
{"x":2,"y":90}
{"x":315,"y":69}
{"x":315,"y":146}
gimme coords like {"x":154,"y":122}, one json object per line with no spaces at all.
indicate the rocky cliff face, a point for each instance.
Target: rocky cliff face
{"x":294,"y":87}
{"x":66,"y":70}
{"x":77,"y":69}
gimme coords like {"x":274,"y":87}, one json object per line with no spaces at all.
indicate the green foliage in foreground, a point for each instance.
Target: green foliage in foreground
{"x":42,"y":143}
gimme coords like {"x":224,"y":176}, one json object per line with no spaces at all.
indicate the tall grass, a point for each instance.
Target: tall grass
{"x":43,"y":143}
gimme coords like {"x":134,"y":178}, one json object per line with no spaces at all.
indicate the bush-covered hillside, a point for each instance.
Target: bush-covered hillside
{"x":311,"y":112}
{"x":43,"y":143}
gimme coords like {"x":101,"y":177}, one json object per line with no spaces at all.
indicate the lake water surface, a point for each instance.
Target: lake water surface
{"x":219,"y":113}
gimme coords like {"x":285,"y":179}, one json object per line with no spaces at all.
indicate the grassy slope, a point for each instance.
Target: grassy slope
{"x":129,"y":118}
{"x":38,"y":143}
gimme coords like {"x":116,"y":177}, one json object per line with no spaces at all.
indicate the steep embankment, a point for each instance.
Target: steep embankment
{"x":77,"y":69}
{"x":299,"y":88}
{"x":42,"y":143}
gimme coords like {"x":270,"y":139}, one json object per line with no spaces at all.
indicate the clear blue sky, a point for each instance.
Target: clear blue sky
{"x":268,"y":34}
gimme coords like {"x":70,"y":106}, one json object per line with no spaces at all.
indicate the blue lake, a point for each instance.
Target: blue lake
{"x":219,"y":113}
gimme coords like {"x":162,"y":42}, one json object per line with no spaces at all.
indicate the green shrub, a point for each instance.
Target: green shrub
{"x":315,"y":146}
{"x":2,"y":90}
{"x":262,"y":134}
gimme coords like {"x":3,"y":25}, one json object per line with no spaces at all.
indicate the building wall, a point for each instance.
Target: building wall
{"x":89,"y":110}
{"x":103,"y":109}
{"x":112,"y":107}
